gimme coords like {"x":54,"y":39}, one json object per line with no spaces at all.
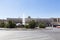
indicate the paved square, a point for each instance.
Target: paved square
{"x":24,"y":35}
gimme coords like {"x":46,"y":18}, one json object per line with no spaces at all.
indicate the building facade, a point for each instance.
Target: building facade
{"x":48,"y":21}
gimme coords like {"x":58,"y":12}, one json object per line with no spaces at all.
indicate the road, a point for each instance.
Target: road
{"x":29,"y":34}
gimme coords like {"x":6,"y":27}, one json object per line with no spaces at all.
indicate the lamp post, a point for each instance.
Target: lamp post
{"x":57,"y":20}
{"x":52,"y":22}
{"x":23,"y":20}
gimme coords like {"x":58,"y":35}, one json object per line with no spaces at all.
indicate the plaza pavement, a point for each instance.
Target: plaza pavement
{"x":29,"y":34}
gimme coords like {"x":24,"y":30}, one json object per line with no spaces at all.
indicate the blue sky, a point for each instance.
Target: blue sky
{"x":33,"y":8}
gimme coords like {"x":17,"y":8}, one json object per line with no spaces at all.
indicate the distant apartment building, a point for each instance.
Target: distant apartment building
{"x":56,"y":22}
{"x":48,"y":21}
{"x":3,"y":20}
{"x":16,"y":20}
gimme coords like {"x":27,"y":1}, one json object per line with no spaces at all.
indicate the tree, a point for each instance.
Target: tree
{"x":32,"y":24}
{"x":26,"y":26}
{"x":29,"y":17}
{"x":42,"y":25}
{"x":2,"y":24}
{"x":11,"y":24}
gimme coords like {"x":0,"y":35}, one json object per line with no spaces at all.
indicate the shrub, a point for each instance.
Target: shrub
{"x":32,"y":24}
{"x":42,"y":25}
{"x":11,"y":24}
{"x":2,"y":25}
{"x":26,"y":26}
